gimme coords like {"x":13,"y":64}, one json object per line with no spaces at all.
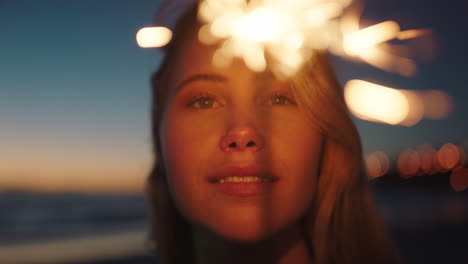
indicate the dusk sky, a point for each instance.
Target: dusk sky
{"x":74,"y":89}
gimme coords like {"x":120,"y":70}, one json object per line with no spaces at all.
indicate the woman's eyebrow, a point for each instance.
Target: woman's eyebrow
{"x":203,"y":77}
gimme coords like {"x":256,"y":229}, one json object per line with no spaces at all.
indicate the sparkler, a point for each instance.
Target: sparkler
{"x":280,"y":35}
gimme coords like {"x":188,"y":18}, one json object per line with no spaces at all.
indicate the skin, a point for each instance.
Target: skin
{"x":208,"y":109}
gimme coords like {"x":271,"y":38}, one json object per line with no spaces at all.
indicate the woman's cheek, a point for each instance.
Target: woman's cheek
{"x":189,"y":145}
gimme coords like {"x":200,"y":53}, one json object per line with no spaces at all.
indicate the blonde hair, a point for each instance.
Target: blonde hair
{"x":342,"y":225}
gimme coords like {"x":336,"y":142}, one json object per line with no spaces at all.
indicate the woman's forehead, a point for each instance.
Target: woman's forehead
{"x":196,"y":59}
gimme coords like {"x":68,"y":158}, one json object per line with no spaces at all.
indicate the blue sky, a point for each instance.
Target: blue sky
{"x":74,"y":90}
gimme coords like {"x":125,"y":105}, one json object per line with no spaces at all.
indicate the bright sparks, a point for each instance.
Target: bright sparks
{"x":153,"y":37}
{"x":285,"y":32}
{"x":282,"y":34}
{"x":288,"y":33}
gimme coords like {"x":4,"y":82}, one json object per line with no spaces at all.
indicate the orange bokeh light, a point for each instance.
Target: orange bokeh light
{"x":449,"y":156}
{"x":377,"y":164}
{"x":409,"y":163}
{"x":428,"y":156}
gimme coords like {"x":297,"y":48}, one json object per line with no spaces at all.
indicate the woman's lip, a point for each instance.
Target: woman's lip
{"x":252,"y":170}
{"x":244,"y":189}
{"x":243,"y":180}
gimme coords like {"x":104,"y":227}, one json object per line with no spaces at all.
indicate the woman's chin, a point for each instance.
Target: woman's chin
{"x":243,"y":235}
{"x":243,"y":228}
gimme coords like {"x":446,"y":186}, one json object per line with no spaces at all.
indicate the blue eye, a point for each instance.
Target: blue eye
{"x":281,"y":100}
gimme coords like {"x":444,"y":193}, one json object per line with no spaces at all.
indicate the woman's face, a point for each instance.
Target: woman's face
{"x":241,"y":156}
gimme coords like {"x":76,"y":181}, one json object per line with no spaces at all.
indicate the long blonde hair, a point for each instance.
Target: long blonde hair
{"x":342,"y":225}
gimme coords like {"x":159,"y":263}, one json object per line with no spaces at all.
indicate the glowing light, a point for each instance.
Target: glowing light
{"x":359,"y":42}
{"x":260,"y":26}
{"x":449,"y":156}
{"x":383,"y":104}
{"x":428,"y":157}
{"x":408,"y":163}
{"x":413,"y":33}
{"x":290,"y":31}
{"x":153,"y":37}
{"x":369,"y":45}
{"x":296,"y":27}
{"x":377,"y":164}
{"x":437,"y":104}
{"x":376,"y":103}
{"x":416,"y":109}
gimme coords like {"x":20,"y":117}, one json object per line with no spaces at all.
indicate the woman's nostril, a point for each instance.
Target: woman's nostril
{"x":251,"y":144}
{"x":233,"y":145}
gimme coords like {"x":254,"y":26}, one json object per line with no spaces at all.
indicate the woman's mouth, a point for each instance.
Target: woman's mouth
{"x":247,"y":180}
{"x":237,"y":179}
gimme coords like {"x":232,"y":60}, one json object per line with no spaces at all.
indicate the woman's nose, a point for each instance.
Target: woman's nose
{"x":242,"y":137}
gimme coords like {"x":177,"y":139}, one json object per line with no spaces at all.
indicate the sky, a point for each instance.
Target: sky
{"x":74,"y":89}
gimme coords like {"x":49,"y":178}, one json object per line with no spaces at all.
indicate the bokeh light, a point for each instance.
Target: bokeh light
{"x":428,"y":155}
{"x":449,"y":156}
{"x":409,"y":163}
{"x":437,"y":104}
{"x":376,"y":103}
{"x":153,"y":37}
{"x":377,"y":164}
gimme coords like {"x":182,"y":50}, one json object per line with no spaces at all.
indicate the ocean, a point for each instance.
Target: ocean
{"x":70,"y":228}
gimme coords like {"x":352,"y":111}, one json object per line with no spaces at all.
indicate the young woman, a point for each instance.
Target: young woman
{"x":253,"y":169}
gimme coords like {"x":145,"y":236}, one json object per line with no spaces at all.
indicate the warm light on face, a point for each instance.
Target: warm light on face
{"x":153,"y":37}
{"x":243,"y":126}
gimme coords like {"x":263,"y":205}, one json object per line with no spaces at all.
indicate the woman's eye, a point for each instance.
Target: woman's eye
{"x":204,"y":103}
{"x":281,"y":100}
